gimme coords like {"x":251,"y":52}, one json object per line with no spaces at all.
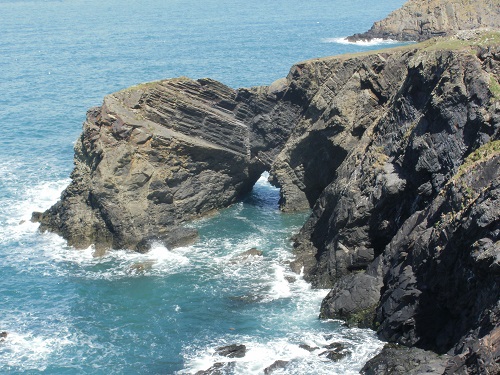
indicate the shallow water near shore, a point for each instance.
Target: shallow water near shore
{"x":164,"y":312}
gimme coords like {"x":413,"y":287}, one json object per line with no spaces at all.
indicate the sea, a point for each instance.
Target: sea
{"x":167,"y":311}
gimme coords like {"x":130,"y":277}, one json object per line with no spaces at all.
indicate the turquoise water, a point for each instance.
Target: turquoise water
{"x":67,"y":312}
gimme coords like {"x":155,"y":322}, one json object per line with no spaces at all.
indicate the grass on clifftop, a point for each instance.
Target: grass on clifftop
{"x":466,"y":39}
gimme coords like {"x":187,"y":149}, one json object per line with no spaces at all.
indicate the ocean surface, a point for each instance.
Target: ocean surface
{"x":69,"y":313}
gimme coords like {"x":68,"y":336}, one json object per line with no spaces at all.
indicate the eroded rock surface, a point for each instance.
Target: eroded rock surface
{"x":397,"y":360}
{"x":405,"y":229}
{"x":156,"y":155}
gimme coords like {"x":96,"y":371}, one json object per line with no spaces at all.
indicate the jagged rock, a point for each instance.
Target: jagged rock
{"x":158,"y":154}
{"x":218,"y":368}
{"x":354,"y":299}
{"x":414,"y":188}
{"x":419,"y":20}
{"x":421,"y":113}
{"x":279,"y":364}
{"x":396,"y":360}
{"x":336,"y":351}
{"x":442,"y":293}
{"x":232,"y":351}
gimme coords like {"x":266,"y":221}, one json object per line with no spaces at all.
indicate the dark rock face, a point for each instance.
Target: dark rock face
{"x":419,"y":20}
{"x":353,"y":299}
{"x":398,"y":360}
{"x":156,"y":155}
{"x":279,"y":364}
{"x":456,"y":236}
{"x":232,"y":351}
{"x":423,"y":112}
{"x":407,"y":230}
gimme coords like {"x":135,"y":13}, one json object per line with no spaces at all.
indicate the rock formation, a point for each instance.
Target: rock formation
{"x":396,"y":151}
{"x":418,"y":20}
{"x":397,"y":360}
{"x":158,"y":154}
{"x":407,"y":229}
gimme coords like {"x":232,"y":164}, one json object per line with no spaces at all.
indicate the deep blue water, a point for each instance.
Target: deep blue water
{"x":67,"y":312}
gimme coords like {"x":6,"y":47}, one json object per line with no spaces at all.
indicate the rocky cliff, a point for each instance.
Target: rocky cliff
{"x":158,"y":154}
{"x":396,"y":151}
{"x":418,"y":20}
{"x":406,"y":233}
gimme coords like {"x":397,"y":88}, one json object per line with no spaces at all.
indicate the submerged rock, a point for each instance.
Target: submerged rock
{"x":279,"y":364}
{"x":336,"y":351}
{"x":141,"y":267}
{"x":232,"y":351}
{"x":218,"y":368}
{"x":251,"y":253}
{"x":308,"y":347}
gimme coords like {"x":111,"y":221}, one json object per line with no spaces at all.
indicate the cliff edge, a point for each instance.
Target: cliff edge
{"x":407,"y":230}
{"x":418,"y":20}
{"x":396,"y":151}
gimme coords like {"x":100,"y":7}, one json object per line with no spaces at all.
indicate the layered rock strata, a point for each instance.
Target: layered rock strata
{"x":418,"y":20}
{"x":158,"y":154}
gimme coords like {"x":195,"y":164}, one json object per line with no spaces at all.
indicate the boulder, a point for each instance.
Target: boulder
{"x":354,"y":299}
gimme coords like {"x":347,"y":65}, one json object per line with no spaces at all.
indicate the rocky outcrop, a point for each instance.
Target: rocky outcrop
{"x":156,"y":155}
{"x":406,"y":231}
{"x":396,"y":151}
{"x":397,"y":360}
{"x":418,"y":20}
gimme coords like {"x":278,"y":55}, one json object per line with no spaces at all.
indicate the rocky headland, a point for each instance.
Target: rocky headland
{"x":156,"y":155}
{"x":418,"y":20}
{"x":397,"y":152}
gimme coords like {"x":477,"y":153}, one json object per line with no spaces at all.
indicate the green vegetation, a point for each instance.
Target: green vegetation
{"x":494,"y":87}
{"x":452,"y":43}
{"x":483,"y":153}
{"x":141,"y":86}
{"x":363,"y":318}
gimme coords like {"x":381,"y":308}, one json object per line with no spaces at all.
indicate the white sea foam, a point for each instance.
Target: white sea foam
{"x":280,"y":287}
{"x":262,"y":354}
{"x":29,"y":351}
{"x":116,"y":264}
{"x":18,"y":211}
{"x":363,"y":43}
